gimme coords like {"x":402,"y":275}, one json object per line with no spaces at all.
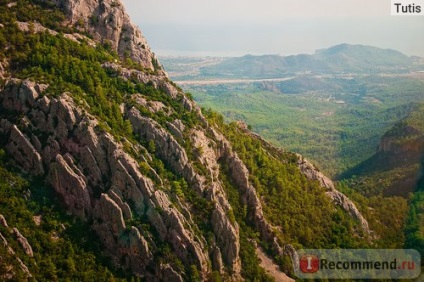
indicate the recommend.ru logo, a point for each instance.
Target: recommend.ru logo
{"x":358,"y":264}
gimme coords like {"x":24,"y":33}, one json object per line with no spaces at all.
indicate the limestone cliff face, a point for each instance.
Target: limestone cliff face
{"x":117,"y":185}
{"x":99,"y":181}
{"x":404,"y":146}
{"x":107,"y":22}
{"x":85,"y":166}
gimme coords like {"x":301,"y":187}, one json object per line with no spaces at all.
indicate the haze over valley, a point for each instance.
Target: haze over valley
{"x":332,"y":106}
{"x":118,"y":163}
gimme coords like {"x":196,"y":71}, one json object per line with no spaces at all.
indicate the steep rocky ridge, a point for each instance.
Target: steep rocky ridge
{"x":124,"y":185}
{"x":312,"y":173}
{"x":99,"y":157}
{"x":336,"y":196}
{"x":96,"y":154}
{"x":107,"y":21}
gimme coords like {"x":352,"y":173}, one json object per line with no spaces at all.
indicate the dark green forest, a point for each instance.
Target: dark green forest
{"x":65,"y":247}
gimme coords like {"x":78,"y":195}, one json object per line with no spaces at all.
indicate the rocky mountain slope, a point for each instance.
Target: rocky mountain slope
{"x":171,"y":193}
{"x":396,"y":167}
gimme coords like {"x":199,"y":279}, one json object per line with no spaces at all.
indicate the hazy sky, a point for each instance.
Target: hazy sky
{"x":239,"y":27}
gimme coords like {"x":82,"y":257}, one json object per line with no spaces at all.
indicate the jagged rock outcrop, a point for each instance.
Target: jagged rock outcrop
{"x":3,"y":221}
{"x":69,"y":182}
{"x":108,"y":22}
{"x":122,"y":188}
{"x":74,"y":146}
{"x":36,"y":27}
{"x":125,"y":208}
{"x":158,"y":82}
{"x":337,"y":197}
{"x":109,"y":223}
{"x":176,"y":157}
{"x":10,"y":251}
{"x":344,"y":202}
{"x":24,"y":242}
{"x":24,"y":152}
{"x":25,"y":245}
{"x":169,"y":274}
{"x":311,"y":172}
{"x":240,"y":176}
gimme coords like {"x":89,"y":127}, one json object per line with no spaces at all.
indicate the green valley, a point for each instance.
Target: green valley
{"x":109,"y":171}
{"x":334,"y":119}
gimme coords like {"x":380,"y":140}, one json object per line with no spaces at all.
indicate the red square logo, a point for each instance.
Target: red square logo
{"x":309,"y":264}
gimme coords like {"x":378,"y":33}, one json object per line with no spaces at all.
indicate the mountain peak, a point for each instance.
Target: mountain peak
{"x":108,"y":23}
{"x":358,"y":52}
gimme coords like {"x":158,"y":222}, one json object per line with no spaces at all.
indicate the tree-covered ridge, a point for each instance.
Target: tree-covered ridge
{"x":414,"y":228}
{"x":342,"y":58}
{"x":62,"y":246}
{"x":294,"y":204}
{"x":334,"y":121}
{"x":77,"y":68}
{"x":410,"y":128}
{"x":395,"y":167}
{"x":298,"y":208}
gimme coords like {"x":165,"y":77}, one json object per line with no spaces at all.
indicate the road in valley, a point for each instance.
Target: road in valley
{"x":229,"y":81}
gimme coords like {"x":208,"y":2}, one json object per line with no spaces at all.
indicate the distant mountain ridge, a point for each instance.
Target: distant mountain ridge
{"x":343,"y":58}
{"x":168,"y":191}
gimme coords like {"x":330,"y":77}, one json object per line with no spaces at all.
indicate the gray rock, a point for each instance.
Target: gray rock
{"x":36,"y":142}
{"x":227,"y":238}
{"x":107,"y":21}
{"x":44,"y":104}
{"x":24,"y":242}
{"x":217,"y":263}
{"x":3,"y":221}
{"x":166,"y":145}
{"x":312,"y":173}
{"x":24,"y":152}
{"x":136,"y":251}
{"x":169,"y":274}
{"x":2,"y":71}
{"x":19,"y":95}
{"x":9,"y":249}
{"x":337,"y":197}
{"x":345,"y":203}
{"x":126,"y":211}
{"x":90,"y":165}
{"x":179,"y":125}
{"x":70,"y":186}
{"x":27,"y":93}
{"x":175,"y":131}
{"x":109,"y":216}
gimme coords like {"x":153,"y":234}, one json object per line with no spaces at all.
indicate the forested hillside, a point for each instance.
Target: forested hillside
{"x":343,"y":58}
{"x":109,"y":171}
{"x":396,"y":167}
